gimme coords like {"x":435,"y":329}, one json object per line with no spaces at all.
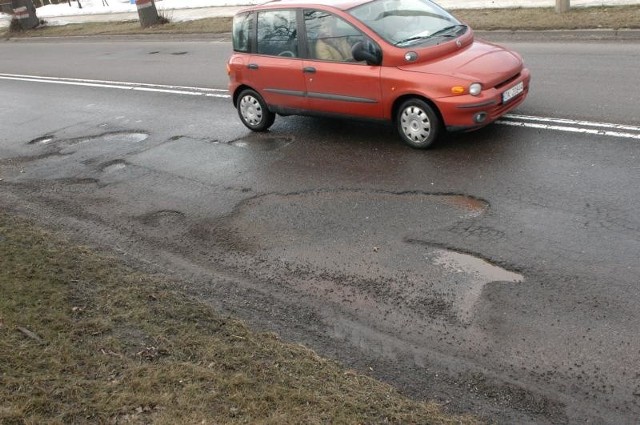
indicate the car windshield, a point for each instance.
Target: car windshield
{"x":405,"y":23}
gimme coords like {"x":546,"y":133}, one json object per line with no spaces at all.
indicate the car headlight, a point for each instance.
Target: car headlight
{"x":475,"y":89}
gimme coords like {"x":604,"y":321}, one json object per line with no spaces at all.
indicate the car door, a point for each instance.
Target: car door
{"x":275,"y":67}
{"x":336,"y":84}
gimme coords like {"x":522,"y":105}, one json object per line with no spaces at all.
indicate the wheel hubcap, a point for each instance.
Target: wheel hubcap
{"x":251,"y":110}
{"x":415,"y":124}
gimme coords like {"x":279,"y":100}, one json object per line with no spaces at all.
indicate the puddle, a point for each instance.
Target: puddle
{"x":112,"y":166}
{"x":262,"y":143}
{"x":120,"y":137}
{"x":41,"y":140}
{"x":476,"y":267}
{"x":465,"y":278}
{"x":179,"y":53}
{"x":474,"y":206}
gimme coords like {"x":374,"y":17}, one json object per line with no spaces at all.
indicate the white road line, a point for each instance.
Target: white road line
{"x":571,"y":129}
{"x":192,"y":91}
{"x":514,"y":120}
{"x":573,"y":122}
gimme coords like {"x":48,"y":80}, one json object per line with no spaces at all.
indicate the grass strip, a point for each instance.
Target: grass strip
{"x":85,"y":339}
{"x":609,"y":17}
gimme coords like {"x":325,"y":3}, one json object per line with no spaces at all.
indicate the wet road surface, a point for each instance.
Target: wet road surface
{"x":497,"y":273}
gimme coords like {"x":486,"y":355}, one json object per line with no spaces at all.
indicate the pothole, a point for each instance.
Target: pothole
{"x":122,"y":137}
{"x":76,"y":180}
{"x":41,"y":140}
{"x":478,"y":268}
{"x":111,"y":166}
{"x":262,"y":143}
{"x":474,"y":206}
{"x":162,"y":217}
{"x":466,"y":277}
{"x":376,"y":242}
{"x":127,"y":137}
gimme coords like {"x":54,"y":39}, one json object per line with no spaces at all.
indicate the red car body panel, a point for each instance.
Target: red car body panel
{"x":374,"y":91}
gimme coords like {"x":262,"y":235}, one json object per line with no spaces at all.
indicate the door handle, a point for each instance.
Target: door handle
{"x":309,"y":70}
{"x":253,"y":66}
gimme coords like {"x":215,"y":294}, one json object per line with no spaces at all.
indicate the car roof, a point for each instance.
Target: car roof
{"x":338,"y":4}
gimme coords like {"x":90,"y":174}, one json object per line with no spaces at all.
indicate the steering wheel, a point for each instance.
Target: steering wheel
{"x":287,"y":53}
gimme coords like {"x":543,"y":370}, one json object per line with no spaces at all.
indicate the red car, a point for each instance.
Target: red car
{"x":409,"y":62}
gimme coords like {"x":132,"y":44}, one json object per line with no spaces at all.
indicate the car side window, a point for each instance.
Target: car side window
{"x":241,"y":33}
{"x":278,"y":33}
{"x":330,"y":37}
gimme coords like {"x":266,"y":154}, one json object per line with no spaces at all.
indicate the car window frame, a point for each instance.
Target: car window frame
{"x":310,"y":54}
{"x":300,"y":54}
{"x":302,"y":37}
{"x":251,"y":18}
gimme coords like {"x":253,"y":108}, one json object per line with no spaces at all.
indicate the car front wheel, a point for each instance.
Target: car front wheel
{"x":253,"y":111}
{"x":418,"y":124}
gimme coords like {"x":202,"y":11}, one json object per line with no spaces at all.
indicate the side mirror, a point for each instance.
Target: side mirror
{"x":367,"y":51}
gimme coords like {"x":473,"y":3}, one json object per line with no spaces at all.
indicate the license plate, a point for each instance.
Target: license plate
{"x":512,"y":92}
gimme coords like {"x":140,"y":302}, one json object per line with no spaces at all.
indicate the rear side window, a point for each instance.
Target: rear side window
{"x":278,"y":33}
{"x":241,"y":33}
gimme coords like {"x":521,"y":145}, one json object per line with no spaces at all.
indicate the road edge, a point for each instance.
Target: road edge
{"x":580,"y":35}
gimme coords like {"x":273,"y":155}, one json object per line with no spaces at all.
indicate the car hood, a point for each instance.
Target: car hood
{"x":481,"y":62}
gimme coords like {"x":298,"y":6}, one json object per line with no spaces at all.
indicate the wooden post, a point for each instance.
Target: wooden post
{"x":562,"y":6}
{"x":25,"y":12}
{"x":147,"y":13}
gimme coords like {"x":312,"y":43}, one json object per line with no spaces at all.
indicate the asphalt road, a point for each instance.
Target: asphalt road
{"x":497,"y":273}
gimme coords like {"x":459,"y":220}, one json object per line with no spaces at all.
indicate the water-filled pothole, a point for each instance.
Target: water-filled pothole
{"x":474,"y":206}
{"x":262,"y":143}
{"x":120,"y":137}
{"x":359,"y":243}
{"x":41,"y":140}
{"x":476,"y":267}
{"x":465,"y":279}
{"x":111,"y":166}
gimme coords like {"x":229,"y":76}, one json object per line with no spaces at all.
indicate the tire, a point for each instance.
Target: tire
{"x":417,"y":123}
{"x":253,"y":111}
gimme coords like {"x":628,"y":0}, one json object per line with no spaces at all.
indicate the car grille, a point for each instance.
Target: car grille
{"x":508,"y":81}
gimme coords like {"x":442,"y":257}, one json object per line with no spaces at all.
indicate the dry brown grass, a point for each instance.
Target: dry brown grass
{"x":480,"y":19}
{"x":84,"y":339}
{"x":547,"y":19}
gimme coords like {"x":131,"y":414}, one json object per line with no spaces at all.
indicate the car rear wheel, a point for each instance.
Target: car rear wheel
{"x":253,"y":111}
{"x":418,"y":124}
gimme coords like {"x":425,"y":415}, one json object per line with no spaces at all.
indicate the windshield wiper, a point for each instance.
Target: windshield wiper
{"x":450,"y":31}
{"x":414,"y":38}
{"x":446,"y":31}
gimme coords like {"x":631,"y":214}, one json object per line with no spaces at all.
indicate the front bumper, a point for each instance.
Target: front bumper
{"x":466,"y":112}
